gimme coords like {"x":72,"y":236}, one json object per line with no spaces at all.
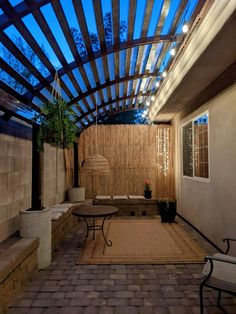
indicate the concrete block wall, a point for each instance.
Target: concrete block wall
{"x":53,"y":175}
{"x":15,"y":174}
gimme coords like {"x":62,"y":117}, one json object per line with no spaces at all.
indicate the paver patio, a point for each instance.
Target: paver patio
{"x":65,"y":287}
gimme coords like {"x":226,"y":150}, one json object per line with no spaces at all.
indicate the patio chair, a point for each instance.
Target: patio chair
{"x":219,"y":273}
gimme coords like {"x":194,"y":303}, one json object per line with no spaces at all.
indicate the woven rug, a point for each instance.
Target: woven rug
{"x":142,"y":241}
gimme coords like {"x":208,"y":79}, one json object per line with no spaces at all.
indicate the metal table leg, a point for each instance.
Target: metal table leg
{"x":95,"y":227}
{"x":108,"y":242}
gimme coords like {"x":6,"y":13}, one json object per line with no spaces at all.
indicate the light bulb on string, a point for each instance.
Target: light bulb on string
{"x":185,"y":28}
{"x":157,"y":84}
{"x":173,"y":52}
{"x":164,"y":74}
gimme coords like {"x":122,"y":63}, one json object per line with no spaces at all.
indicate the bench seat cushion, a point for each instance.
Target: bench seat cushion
{"x":120,"y":197}
{"x":136,"y":197}
{"x":103,"y":197}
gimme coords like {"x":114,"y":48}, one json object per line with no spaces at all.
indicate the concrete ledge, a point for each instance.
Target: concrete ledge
{"x":17,"y":264}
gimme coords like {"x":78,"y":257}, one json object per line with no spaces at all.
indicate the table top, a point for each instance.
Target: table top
{"x":94,"y":211}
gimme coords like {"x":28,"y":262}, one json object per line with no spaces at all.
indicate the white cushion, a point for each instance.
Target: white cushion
{"x":222,"y":270}
{"x":135,"y":197}
{"x":60,"y":209}
{"x":103,"y":197}
{"x":63,"y":205}
{"x":120,"y":197}
{"x":55,"y":215}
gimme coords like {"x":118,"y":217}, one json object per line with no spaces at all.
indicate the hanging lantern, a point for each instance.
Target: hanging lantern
{"x":96,"y":163}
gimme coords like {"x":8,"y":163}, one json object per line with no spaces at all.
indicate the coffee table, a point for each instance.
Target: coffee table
{"x":85,"y":212}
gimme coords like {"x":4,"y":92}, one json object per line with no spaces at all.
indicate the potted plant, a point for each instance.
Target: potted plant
{"x":53,"y":124}
{"x":56,"y":124}
{"x":147,"y":189}
{"x":56,"y":127}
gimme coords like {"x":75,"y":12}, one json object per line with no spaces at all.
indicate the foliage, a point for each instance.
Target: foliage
{"x":23,"y":46}
{"x":147,"y":184}
{"x":107,"y":23}
{"x":56,"y":125}
{"x":126,"y":117}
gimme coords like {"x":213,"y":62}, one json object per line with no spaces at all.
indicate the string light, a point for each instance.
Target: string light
{"x":157,"y":84}
{"x":173,"y":52}
{"x":185,"y":28}
{"x":164,"y":74}
{"x":152,"y":98}
{"x":163,"y":150}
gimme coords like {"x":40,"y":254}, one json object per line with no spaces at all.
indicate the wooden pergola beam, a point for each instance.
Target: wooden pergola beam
{"x":19,"y":78}
{"x":111,"y":101}
{"x":110,"y":83}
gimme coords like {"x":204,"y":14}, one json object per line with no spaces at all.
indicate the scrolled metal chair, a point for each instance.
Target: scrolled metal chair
{"x":219,"y":273}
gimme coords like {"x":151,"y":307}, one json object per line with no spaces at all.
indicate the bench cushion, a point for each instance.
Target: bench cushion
{"x":103,"y":197}
{"x":120,"y":197}
{"x":136,"y":197}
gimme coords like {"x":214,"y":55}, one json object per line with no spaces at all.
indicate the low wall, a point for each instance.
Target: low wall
{"x":131,"y":207}
{"x":17,"y":264}
{"x":61,"y":227}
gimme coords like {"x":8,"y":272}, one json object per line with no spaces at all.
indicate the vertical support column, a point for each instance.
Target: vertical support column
{"x":76,"y":165}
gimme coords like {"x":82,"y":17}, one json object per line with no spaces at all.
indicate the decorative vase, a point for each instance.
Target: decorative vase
{"x":167,"y":210}
{"x":148,"y":193}
{"x":76,"y":194}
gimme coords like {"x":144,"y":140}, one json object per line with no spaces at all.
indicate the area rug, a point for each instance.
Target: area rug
{"x":142,"y":241}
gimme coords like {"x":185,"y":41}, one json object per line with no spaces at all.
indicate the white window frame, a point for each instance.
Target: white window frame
{"x":195,"y":178}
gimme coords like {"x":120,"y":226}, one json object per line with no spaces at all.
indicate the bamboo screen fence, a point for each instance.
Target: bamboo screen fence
{"x":135,"y":153}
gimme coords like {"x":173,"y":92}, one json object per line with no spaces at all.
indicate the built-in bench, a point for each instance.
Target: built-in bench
{"x":17,"y":264}
{"x":63,"y":220}
{"x":129,"y":205}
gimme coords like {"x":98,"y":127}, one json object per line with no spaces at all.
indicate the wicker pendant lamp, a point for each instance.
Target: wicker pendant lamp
{"x":96,"y":163}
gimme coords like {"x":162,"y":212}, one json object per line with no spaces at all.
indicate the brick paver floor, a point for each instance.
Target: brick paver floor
{"x":67,"y":288}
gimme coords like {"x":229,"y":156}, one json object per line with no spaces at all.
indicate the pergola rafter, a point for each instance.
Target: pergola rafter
{"x":116,"y":58}
{"x":79,"y":65}
{"x":112,"y":101}
{"x":109,"y":84}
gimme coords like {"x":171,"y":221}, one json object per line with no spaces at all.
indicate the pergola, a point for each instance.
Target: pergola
{"x":117,"y":52}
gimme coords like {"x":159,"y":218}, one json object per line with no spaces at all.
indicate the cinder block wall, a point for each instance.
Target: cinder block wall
{"x":53,"y":175}
{"x":15,"y":174}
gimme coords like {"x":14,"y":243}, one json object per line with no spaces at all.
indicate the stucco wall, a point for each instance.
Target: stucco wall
{"x":211,"y":206}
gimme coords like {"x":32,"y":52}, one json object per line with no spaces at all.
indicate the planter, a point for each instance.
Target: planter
{"x":167,"y":210}
{"x":76,"y":194}
{"x":148,"y":193}
{"x":37,"y":224}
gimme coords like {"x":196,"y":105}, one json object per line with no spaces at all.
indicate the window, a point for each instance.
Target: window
{"x":195,"y":147}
